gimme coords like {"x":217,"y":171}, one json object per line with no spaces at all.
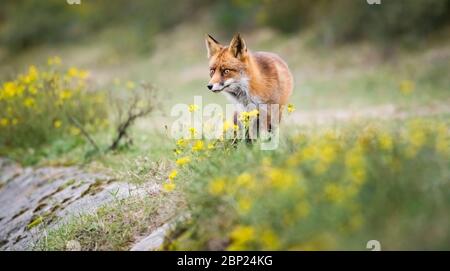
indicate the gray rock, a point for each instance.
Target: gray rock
{"x":152,"y":241}
{"x":32,"y":200}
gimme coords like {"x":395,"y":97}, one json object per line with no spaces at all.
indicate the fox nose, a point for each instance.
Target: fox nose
{"x":209,"y":86}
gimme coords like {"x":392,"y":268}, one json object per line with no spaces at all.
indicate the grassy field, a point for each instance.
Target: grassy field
{"x":330,"y":186}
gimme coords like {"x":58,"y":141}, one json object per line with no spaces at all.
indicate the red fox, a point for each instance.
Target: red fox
{"x":248,"y":78}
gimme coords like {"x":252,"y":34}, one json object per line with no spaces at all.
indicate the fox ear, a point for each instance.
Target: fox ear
{"x":212,"y":45}
{"x":237,"y":46}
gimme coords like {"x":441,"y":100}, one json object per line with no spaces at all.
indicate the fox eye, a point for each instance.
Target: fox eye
{"x":226,"y":71}
{"x":211,"y":72}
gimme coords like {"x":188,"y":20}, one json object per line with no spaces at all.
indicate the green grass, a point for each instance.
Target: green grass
{"x":59,"y":152}
{"x":114,"y":226}
{"x":323,"y":189}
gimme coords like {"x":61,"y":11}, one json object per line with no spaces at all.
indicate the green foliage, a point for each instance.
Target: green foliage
{"x":111,"y":227}
{"x":49,"y":103}
{"x":339,"y":21}
{"x":392,"y":20}
{"x":32,"y":22}
{"x":322,"y":189}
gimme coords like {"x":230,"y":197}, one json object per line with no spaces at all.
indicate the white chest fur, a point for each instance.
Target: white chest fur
{"x":238,"y":93}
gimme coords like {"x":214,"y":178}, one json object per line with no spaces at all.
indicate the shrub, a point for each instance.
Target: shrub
{"x":32,"y":22}
{"x":323,"y":189}
{"x":47,"y":103}
{"x":339,"y":21}
{"x":392,"y":20}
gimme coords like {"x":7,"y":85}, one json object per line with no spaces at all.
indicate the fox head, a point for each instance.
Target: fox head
{"x":227,"y":64}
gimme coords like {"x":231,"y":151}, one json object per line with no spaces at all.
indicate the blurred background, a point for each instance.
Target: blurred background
{"x":28,"y":23}
{"x":347,"y":40}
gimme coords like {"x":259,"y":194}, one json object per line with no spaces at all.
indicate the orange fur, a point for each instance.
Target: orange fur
{"x":248,"y":77}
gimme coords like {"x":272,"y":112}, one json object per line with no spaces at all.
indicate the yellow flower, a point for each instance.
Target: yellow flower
{"x":74,"y":131}
{"x":280,"y":179}
{"x":227,"y":125}
{"x":241,"y":236}
{"x":72,"y":72}
{"x":32,"y":89}
{"x":334,"y":193}
{"x":31,"y":76}
{"x":385,"y":141}
{"x":168,"y":186}
{"x":173,"y":174}
{"x":57,"y":124}
{"x":358,"y":175}
{"x":244,"y":205}
{"x":4,"y":122}
{"x":130,"y":85}
{"x":417,"y":137}
{"x":65,"y":94}
{"x":245,"y":180}
{"x":54,"y":61}
{"x":76,"y":73}
{"x":193,"y":108}
{"x":15,"y":121}
{"x":244,"y":117}
{"x":192,"y":131}
{"x":327,"y":153}
{"x":354,"y":157}
{"x":217,"y":187}
{"x":83,"y":74}
{"x":198,"y":146}
{"x":309,"y":152}
{"x":253,"y":113}
{"x":183,"y":160}
{"x":29,"y":102}
{"x":10,"y":89}
{"x":355,"y":163}
{"x":211,"y":146}
{"x":406,"y":87}
{"x":269,"y":240}
{"x":181,"y":143}
{"x":290,"y":108}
